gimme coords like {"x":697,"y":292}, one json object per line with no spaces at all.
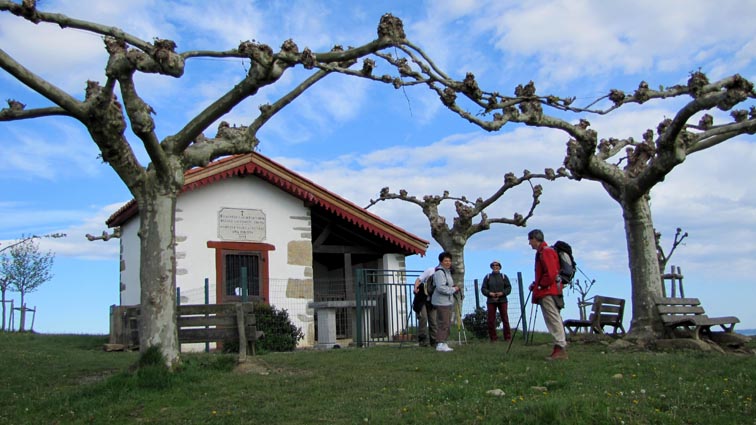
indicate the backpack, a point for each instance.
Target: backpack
{"x":429,"y":285}
{"x":567,"y":264}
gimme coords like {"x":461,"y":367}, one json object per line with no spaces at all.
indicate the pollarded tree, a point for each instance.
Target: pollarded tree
{"x":25,"y":269}
{"x":471,"y":216}
{"x":156,"y":185}
{"x":625,"y":167}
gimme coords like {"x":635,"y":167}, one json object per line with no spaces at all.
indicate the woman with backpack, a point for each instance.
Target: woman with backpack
{"x":443,"y":300}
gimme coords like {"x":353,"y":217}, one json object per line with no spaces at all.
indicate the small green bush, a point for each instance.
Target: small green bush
{"x":477,"y":323}
{"x":280,"y":332}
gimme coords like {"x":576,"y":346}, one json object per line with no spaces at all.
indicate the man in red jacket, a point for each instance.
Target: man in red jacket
{"x":546,"y":288}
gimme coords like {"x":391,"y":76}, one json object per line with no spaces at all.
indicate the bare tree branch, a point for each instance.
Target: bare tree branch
{"x":162,"y":59}
{"x":466,"y":209}
{"x":14,"y":112}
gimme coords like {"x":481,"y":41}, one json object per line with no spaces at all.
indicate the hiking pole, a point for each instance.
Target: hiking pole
{"x":532,"y":326}
{"x":406,"y":325}
{"x":514,"y":334}
{"x":460,"y":324}
{"x":530,"y":331}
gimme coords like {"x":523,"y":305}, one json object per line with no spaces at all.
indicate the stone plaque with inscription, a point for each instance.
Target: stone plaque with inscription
{"x":238,"y":224}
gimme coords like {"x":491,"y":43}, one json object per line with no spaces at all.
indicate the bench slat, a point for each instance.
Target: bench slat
{"x":678,"y":320}
{"x":219,"y":321}
{"x":713,"y":321}
{"x":680,"y":309}
{"x":677,"y":301}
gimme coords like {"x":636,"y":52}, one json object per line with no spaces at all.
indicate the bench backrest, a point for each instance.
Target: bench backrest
{"x":679,"y":306}
{"x":609,"y":310}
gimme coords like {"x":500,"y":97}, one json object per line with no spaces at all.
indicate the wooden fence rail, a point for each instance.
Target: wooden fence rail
{"x":229,"y":323}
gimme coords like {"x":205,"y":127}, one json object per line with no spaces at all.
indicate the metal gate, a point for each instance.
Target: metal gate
{"x":384,"y":306}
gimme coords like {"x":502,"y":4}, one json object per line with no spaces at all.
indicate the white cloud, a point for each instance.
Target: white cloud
{"x":75,"y":224}
{"x":30,"y":153}
{"x":573,"y":39}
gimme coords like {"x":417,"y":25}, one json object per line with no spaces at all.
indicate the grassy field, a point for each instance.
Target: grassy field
{"x":68,"y":379}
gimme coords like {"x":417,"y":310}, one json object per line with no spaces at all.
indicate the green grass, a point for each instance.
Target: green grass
{"x":68,"y":379}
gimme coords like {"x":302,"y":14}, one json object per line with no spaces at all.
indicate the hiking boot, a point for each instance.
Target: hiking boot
{"x":559,"y":353}
{"x":442,"y":347}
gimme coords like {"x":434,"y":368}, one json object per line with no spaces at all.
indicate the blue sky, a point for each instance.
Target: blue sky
{"x":355,"y":137}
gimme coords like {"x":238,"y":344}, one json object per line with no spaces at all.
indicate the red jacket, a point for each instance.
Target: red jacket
{"x":546,"y":271}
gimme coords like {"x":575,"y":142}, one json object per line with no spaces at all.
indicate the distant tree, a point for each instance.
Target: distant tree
{"x":4,"y":285}
{"x":5,"y":261}
{"x":25,"y":270}
{"x":471,"y":216}
{"x":583,"y":289}
{"x":660,"y":254}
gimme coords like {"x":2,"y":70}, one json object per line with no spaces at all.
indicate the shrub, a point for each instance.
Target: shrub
{"x":477,"y":323}
{"x":280,"y":332}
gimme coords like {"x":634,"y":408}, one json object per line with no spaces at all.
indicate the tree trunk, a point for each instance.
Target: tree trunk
{"x":157,"y":326}
{"x":458,"y":275}
{"x":4,"y":312}
{"x":644,"y":268}
{"x":458,"y":266}
{"x":22,"y":319}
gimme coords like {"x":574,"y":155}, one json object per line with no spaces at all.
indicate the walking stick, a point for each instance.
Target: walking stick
{"x":532,"y":327}
{"x":460,"y":324}
{"x":514,"y":334}
{"x":406,"y":325}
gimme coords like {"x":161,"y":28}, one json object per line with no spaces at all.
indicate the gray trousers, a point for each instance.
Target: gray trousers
{"x":427,"y":324}
{"x":553,"y":320}
{"x":443,"y":322}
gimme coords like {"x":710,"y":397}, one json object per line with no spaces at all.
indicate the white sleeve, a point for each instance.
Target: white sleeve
{"x":427,"y":273}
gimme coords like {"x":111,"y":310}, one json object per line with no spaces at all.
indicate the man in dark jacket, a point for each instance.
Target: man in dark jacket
{"x":496,"y":287}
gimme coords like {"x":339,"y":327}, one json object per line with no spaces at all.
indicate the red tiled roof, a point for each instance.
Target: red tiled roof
{"x":293,"y":183}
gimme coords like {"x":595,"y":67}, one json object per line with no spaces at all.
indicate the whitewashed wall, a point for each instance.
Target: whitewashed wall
{"x":197,"y":223}
{"x":130,"y":255}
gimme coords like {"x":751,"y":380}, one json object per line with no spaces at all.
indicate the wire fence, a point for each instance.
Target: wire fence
{"x":295,"y":296}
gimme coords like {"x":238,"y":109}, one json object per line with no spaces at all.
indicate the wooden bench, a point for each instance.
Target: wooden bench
{"x":688,"y":315}
{"x":606,"y":311}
